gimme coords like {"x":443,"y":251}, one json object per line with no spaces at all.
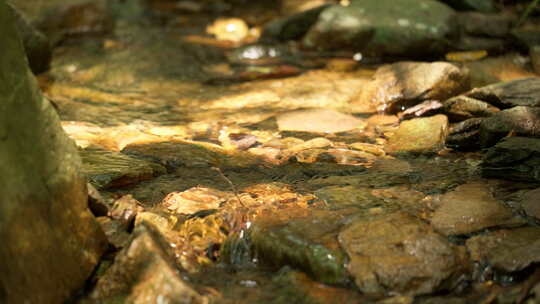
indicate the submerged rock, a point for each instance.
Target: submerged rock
{"x":383,"y":27}
{"x":419,"y":135}
{"x":469,"y":208}
{"x":194,"y":200}
{"x":398,"y":86}
{"x":318,"y":120}
{"x":107,"y":169}
{"x":399,"y":253}
{"x":308,"y":243}
{"x":531,"y":204}
{"x":50,"y":240}
{"x":144,"y":272}
{"x":297,"y":287}
{"x":507,"y":250}
{"x":514,"y":158}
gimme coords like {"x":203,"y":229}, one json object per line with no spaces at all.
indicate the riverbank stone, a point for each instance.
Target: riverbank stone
{"x":51,"y":243}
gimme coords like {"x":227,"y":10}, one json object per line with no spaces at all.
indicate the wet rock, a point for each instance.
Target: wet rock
{"x":469,"y":208}
{"x":419,"y":135}
{"x":485,"y":6}
{"x":144,"y":272}
{"x":194,"y":200}
{"x":45,"y":226}
{"x":74,"y":20}
{"x":383,"y":28}
{"x":231,"y":29}
{"x":513,"y":158}
{"x":368,"y":148}
{"x":480,"y":24}
{"x":318,"y":120}
{"x":36,"y":45}
{"x":398,"y":86}
{"x":531,"y":204}
{"x":291,"y":27}
{"x":315,"y":143}
{"x":125,"y":210}
{"x":461,"y":108}
{"x":519,"y":92}
{"x":260,"y":54}
{"x":115,"y":231}
{"x":377,"y":245}
{"x":506,"y":250}
{"x":106,"y":169}
{"x":425,"y":108}
{"x":521,"y":121}
{"x":464,"y":135}
{"x":305,"y":242}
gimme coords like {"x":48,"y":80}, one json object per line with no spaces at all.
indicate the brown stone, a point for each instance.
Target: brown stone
{"x":469,"y":208}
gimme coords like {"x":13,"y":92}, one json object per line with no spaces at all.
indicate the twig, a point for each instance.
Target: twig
{"x":527,"y":12}
{"x":235,"y":191}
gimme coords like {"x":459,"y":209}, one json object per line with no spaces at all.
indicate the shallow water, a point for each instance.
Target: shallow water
{"x":138,"y":105}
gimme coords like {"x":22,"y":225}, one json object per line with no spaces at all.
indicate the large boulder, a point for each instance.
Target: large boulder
{"x":384,"y":27}
{"x":37,"y":46}
{"x":50,"y":241}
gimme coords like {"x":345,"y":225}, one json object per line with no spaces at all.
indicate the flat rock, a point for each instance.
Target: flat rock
{"x":468,"y":208}
{"x":401,"y":85}
{"x":521,"y":121}
{"x":514,"y":158}
{"x":178,"y":153}
{"x":319,"y":121}
{"x":461,"y":108}
{"x":419,"y":135}
{"x":106,"y":169}
{"x":51,"y":243}
{"x":519,"y":92}
{"x":383,"y":27}
{"x":398,"y":253}
{"x":507,"y":250}
{"x":143,"y":272}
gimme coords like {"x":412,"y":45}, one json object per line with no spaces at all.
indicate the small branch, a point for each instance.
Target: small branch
{"x":235,"y":191}
{"x":527,"y":12}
